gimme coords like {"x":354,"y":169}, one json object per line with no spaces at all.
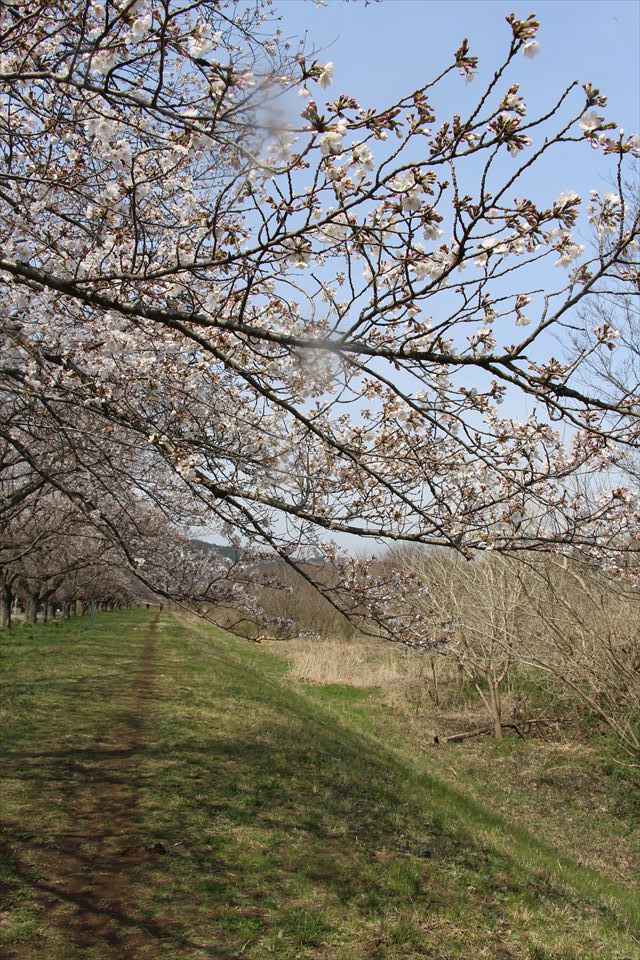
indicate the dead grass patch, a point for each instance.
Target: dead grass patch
{"x":356,"y":663}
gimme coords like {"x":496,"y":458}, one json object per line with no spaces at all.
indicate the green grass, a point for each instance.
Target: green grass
{"x":246,"y":818}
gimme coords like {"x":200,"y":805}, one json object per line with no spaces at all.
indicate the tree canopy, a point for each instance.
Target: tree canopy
{"x":240,"y":303}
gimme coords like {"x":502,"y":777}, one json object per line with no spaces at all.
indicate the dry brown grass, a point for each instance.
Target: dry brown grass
{"x":356,"y":663}
{"x":410,"y":682}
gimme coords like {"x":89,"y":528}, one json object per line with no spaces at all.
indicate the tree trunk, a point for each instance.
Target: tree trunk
{"x":434,"y":680}
{"x":5,"y":606}
{"x":31,"y":608}
{"x":496,"y":709}
{"x":66,"y":609}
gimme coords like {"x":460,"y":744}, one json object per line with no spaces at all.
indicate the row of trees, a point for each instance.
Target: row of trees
{"x":283,"y":324}
{"x":54,"y":552}
{"x":81,"y":520}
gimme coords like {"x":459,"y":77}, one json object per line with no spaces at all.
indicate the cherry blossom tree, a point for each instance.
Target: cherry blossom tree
{"x":310,"y":315}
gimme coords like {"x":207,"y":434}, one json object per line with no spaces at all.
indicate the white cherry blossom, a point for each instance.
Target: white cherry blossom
{"x":591,"y":121}
{"x":325,"y":76}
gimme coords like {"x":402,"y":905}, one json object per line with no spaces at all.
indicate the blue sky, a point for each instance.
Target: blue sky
{"x":385,"y":49}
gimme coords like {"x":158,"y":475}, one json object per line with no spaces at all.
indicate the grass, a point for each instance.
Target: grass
{"x":169,"y":793}
{"x":568,"y":783}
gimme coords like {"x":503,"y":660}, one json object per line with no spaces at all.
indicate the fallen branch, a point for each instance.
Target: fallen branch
{"x":481,"y":731}
{"x":456,"y":738}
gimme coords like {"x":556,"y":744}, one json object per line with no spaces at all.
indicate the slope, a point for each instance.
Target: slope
{"x":165,"y":795}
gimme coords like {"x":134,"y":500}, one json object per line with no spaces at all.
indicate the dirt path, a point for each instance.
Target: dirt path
{"x":85,"y":879}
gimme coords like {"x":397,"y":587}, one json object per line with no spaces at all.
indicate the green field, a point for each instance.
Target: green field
{"x":167,"y":793}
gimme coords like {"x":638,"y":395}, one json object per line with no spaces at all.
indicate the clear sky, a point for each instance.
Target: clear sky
{"x":385,"y":49}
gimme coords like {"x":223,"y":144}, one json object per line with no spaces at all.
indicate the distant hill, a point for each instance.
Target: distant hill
{"x":221,"y":549}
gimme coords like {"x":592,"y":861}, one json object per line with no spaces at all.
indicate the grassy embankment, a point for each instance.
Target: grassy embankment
{"x":567,"y":781}
{"x":168,"y":793}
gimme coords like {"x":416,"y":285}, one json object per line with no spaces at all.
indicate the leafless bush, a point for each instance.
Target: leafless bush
{"x":586,"y":638}
{"x":299,"y":602}
{"x":475,"y":615}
